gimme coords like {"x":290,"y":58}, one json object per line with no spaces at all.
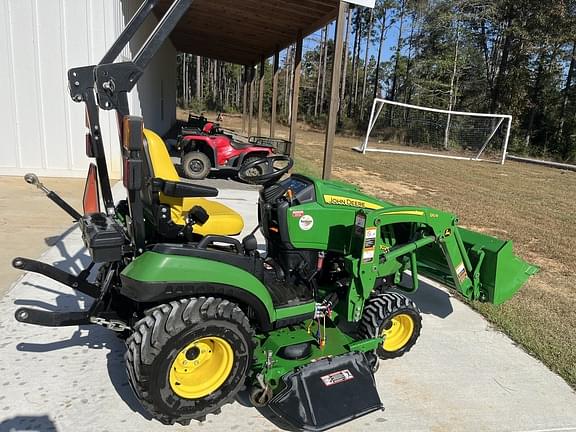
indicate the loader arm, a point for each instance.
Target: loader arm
{"x":478,"y":266}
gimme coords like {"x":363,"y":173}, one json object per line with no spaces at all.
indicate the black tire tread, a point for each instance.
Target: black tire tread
{"x":195,"y":155}
{"x":158,"y":326}
{"x":379,"y":308}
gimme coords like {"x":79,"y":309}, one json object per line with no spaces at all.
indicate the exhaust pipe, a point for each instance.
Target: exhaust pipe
{"x":33,"y":179}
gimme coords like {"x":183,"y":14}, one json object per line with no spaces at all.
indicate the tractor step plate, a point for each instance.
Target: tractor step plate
{"x":325,"y":394}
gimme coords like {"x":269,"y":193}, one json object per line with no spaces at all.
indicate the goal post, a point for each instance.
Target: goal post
{"x":396,"y":127}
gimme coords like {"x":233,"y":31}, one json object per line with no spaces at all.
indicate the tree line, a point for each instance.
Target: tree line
{"x":513,"y":57}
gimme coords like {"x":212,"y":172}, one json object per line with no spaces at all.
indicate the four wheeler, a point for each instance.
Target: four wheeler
{"x":208,"y":319}
{"x":211,"y":149}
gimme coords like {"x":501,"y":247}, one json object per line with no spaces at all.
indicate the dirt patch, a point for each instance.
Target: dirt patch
{"x":496,"y":232}
{"x":373,"y":183}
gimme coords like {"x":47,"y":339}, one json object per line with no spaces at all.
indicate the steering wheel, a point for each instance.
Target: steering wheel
{"x":265,"y":170}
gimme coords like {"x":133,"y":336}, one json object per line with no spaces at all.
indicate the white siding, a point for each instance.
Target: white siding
{"x":40,"y":40}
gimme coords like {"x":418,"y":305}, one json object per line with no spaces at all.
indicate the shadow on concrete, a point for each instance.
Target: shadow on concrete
{"x":95,"y":337}
{"x":54,"y":240}
{"x":430,"y":300}
{"x":28,"y":423}
{"x":92,"y":337}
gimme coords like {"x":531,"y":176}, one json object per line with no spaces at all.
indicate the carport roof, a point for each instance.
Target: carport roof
{"x":244,"y":31}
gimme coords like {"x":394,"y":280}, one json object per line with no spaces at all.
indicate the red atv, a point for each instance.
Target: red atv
{"x":209,"y":148}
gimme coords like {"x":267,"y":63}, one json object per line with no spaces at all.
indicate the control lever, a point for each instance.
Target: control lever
{"x":33,"y":179}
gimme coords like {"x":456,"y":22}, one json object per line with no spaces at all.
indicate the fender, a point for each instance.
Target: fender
{"x":159,"y":277}
{"x":202,"y":144}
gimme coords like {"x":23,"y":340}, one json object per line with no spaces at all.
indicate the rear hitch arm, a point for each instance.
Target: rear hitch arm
{"x":51,"y":319}
{"x":96,"y":314}
{"x":76,"y":282}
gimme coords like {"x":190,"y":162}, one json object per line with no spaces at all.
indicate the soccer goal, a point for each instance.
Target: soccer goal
{"x":396,"y":127}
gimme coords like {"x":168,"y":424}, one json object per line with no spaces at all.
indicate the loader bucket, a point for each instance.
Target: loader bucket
{"x":501,"y":273}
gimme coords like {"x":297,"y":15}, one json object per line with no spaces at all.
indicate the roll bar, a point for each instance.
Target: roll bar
{"x":107,"y":84}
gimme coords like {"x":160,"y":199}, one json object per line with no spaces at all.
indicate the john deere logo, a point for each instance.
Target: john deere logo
{"x":349,"y":202}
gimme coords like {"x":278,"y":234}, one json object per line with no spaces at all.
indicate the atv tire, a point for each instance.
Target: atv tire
{"x":396,"y":318}
{"x":212,"y":333}
{"x":195,"y":165}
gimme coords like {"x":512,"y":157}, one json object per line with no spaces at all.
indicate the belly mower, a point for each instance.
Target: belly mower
{"x":207,"y":320}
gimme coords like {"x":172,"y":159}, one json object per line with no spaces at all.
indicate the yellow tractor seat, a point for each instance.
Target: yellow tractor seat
{"x":222,"y":219}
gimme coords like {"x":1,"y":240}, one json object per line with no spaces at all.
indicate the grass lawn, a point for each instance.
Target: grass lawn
{"x":532,"y":205}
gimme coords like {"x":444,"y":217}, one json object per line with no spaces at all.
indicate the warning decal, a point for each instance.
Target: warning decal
{"x":461,"y":272}
{"x":337,"y":377}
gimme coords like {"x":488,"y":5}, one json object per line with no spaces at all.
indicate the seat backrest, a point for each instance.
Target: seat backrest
{"x":157,"y":164}
{"x":158,"y":157}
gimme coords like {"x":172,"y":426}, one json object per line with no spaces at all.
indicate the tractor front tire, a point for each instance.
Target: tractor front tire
{"x":189,"y":357}
{"x":196,"y":165}
{"x":394,"y":317}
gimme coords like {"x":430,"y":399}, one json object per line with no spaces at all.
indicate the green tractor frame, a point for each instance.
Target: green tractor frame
{"x":208,"y":319}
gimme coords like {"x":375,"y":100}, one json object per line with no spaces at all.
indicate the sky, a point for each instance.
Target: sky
{"x":388,"y":50}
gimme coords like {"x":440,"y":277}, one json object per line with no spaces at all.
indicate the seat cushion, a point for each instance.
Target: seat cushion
{"x":222,"y":221}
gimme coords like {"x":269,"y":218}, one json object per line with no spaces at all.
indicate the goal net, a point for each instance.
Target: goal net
{"x":396,"y":127}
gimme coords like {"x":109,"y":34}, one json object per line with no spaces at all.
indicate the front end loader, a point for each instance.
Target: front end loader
{"x":208,"y":318}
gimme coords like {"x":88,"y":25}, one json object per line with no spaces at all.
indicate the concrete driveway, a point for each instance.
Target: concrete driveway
{"x":461,"y":376}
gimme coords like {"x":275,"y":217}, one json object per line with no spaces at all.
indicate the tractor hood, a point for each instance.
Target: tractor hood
{"x":322,"y":214}
{"x":336,"y":193}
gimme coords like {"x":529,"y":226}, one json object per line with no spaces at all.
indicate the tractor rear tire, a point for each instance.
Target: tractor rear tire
{"x":187,"y":358}
{"x":195,"y":165}
{"x":396,"y":318}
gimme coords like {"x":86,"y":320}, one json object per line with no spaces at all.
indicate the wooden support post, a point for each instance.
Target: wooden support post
{"x":198,"y":79}
{"x":334,"y":91}
{"x":244,"y":98}
{"x":295,"y":92}
{"x":250,"y":99}
{"x":274,"y":94}
{"x":260,"y":98}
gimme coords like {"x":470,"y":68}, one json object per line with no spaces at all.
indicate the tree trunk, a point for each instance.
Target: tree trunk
{"x":567,"y":91}
{"x":198,"y":87}
{"x":322,"y":92}
{"x":318,"y":73}
{"x":397,"y":55}
{"x":357,"y":75}
{"x":381,"y":42}
{"x":452,"y":79}
{"x":344,"y":66}
{"x":184,"y":83}
{"x":287,"y":80}
{"x":534,"y":100}
{"x":366,"y":64}
{"x":495,"y":101}
{"x":407,"y":75}
{"x":396,"y":63}
{"x":356,"y":43}
{"x":484,"y":42}
{"x":238,"y":80}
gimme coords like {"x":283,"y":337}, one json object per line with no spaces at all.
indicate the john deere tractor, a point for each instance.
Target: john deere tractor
{"x":296,"y":331}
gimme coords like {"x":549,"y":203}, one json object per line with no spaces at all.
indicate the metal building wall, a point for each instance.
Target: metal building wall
{"x":42,"y":129}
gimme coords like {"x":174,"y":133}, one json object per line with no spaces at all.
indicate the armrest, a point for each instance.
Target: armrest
{"x":211,"y":239}
{"x":179,"y":189}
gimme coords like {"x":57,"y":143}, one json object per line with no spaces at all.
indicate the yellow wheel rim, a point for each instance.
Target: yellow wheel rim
{"x":201,"y":367}
{"x":399,"y":332}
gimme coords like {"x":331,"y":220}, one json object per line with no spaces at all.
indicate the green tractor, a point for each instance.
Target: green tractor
{"x":208,"y":319}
